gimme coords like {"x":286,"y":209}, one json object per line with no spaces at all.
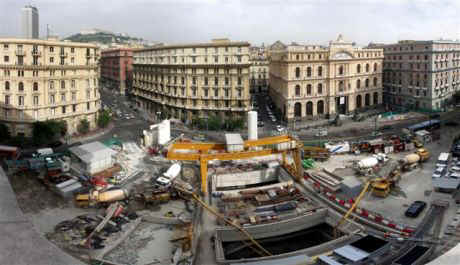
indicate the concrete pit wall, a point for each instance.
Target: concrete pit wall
{"x":224,"y":234}
{"x":245,"y":178}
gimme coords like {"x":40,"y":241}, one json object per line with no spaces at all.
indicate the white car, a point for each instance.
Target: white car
{"x":279,"y":128}
{"x":273,"y":119}
{"x":454,"y":175}
{"x":455,"y":168}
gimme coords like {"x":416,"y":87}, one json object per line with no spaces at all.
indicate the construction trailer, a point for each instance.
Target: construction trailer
{"x":92,"y":157}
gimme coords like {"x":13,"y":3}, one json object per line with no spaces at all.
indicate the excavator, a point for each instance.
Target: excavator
{"x":204,"y":152}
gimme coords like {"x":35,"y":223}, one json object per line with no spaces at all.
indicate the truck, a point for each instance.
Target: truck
{"x":168,"y":177}
{"x":317,"y":153}
{"x":443,"y":160}
{"x":410,"y":162}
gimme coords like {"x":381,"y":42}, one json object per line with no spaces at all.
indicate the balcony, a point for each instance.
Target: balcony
{"x":20,"y":52}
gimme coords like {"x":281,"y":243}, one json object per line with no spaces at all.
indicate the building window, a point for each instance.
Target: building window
{"x":6,"y":58}
{"x":62,"y":84}
{"x":375,"y":81}
{"x":51,"y":59}
{"x":239,"y":58}
{"x":308,"y":71}
{"x":216,"y":92}
{"x":358,"y":84}
{"x":53,"y":111}
{"x":74,"y":108}
{"x":340,"y":86}
{"x":72,"y":50}
{"x":239,"y":81}
{"x":87,"y":106}
{"x":216,"y":59}
{"x":320,"y":89}
{"x":35,"y":100}
{"x":72,"y":84}
{"x":375,"y":67}
{"x":320,"y":71}
{"x":88,"y":95}
{"x":7,"y":85}
{"x":63,"y":109}
{"x":52,"y":99}
{"x":206,"y":81}
{"x":367,"y":83}
{"x":340,"y":70}
{"x":297,"y":72}
{"x":63,"y":97}
{"x":7,"y":100}
{"x":216,"y":81}
{"x":308,"y":89}
{"x":51,"y":49}
{"x":297,"y":90}
{"x":74,"y":96}
{"x":358,"y":68}
{"x":21,"y":86}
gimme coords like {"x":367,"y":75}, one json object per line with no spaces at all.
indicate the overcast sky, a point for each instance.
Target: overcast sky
{"x":256,"y":21}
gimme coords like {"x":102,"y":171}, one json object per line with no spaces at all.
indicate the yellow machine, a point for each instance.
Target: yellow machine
{"x":381,"y":187}
{"x":423,"y":153}
{"x":417,"y":143}
{"x":203,"y":152}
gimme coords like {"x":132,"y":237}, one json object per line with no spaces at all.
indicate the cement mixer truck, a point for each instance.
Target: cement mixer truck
{"x":95,"y":197}
{"x":410,"y":162}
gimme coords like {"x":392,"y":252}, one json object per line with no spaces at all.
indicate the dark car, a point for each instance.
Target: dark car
{"x":415,"y":209}
{"x":55,"y":144}
{"x":455,"y":150}
{"x":435,"y":116}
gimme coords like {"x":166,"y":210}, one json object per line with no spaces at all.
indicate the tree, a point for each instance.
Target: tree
{"x":104,"y":119}
{"x":4,"y":132}
{"x":47,"y":131}
{"x":214,"y":123}
{"x":83,"y":126}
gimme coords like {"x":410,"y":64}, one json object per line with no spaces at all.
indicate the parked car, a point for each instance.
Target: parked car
{"x":415,"y":209}
{"x":455,"y":175}
{"x":321,"y":132}
{"x":435,"y":116}
{"x":386,"y":128}
{"x":260,"y":124}
{"x":279,"y":128}
{"x":439,"y":172}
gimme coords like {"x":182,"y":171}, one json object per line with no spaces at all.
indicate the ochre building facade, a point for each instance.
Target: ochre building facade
{"x":311,"y":82}
{"x":48,"y":80}
{"x":193,"y":81}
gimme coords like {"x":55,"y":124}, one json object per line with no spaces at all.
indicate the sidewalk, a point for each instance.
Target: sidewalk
{"x":90,"y":135}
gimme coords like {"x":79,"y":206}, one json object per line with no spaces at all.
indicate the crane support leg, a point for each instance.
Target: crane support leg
{"x":204,"y":175}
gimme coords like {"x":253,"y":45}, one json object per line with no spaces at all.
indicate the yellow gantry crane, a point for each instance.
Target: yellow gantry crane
{"x":203,"y":152}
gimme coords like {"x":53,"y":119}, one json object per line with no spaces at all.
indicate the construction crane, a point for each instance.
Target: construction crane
{"x":258,"y":248}
{"x":204,"y":152}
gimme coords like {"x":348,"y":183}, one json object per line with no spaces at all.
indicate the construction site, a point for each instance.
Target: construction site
{"x":255,"y":201}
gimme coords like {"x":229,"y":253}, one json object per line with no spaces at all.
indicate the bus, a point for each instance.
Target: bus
{"x":426,"y":125}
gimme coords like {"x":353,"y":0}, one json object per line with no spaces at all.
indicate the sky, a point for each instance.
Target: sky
{"x":256,"y":21}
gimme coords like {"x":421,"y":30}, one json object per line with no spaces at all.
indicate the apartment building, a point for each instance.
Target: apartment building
{"x":421,"y":74}
{"x":258,"y":77}
{"x":193,"y":80}
{"x":313,"y":81}
{"x":47,"y":80}
{"x":117,"y":69}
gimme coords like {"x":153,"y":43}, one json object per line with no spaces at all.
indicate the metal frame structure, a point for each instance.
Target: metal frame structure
{"x":203,"y":152}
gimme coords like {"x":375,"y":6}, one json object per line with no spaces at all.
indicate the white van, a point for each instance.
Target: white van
{"x":44,"y":151}
{"x":443,"y":160}
{"x":169,"y":176}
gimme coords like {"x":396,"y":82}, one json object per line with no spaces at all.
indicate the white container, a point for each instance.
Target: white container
{"x":368,"y":162}
{"x":252,"y":125}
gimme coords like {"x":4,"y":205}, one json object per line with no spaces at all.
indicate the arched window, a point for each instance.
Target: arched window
{"x":21,"y":86}
{"x":35,"y":86}
{"x":367,"y":67}
{"x":359,"y":102}
{"x":375,"y":81}
{"x":320,"y":89}
{"x":358,"y":84}
{"x":308,"y":89}
{"x":358,"y":68}
{"x":340,"y":70}
{"x":51,"y":84}
{"x":320,"y":107}
{"x":7,"y":85}
{"x":376,"y":98}
{"x":297,"y":90}
{"x":297,"y":109}
{"x":309,"y":71}
{"x":367,"y":82}
{"x":367,"y":99}
{"x":309,"y":108}
{"x":340,"y":86}
{"x":320,"y":71}
{"x":297,"y":72}
{"x":375,"y":67}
